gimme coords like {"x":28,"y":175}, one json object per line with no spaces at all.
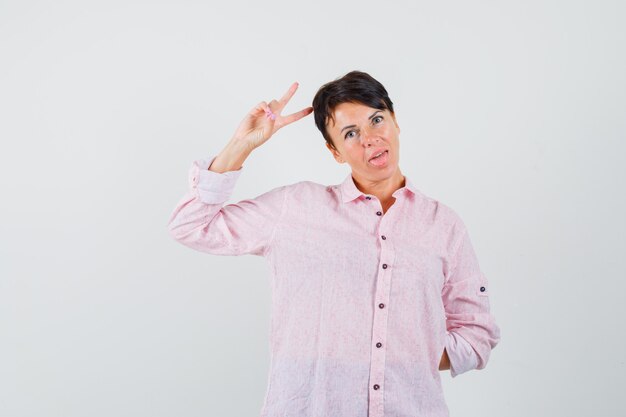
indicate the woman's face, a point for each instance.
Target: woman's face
{"x":358,"y":133}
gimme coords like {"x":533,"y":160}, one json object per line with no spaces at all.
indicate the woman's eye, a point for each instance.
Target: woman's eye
{"x":378,"y":117}
{"x":348,"y":134}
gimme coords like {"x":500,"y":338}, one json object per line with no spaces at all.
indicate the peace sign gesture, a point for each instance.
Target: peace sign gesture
{"x":265,"y":119}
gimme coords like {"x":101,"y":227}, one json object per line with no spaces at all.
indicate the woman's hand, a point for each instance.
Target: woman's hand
{"x":265,"y":119}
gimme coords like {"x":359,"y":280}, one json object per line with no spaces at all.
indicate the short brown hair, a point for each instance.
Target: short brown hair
{"x":354,"y":87}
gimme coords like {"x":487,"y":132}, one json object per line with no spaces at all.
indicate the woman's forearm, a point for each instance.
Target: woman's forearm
{"x":231,"y":157}
{"x":444,"y":364}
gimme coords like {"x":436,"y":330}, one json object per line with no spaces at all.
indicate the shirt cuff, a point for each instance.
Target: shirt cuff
{"x":462,"y":356}
{"x":212,"y":187}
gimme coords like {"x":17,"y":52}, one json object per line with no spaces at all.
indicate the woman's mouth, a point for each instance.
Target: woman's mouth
{"x":380,"y":160}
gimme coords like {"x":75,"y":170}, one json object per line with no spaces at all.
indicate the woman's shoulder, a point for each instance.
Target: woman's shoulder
{"x":307,"y":185}
{"x":436,"y":209}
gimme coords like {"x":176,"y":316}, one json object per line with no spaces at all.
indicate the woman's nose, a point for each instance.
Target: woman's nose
{"x":369,"y":137}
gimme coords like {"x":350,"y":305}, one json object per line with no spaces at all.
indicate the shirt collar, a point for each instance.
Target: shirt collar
{"x":349,"y":191}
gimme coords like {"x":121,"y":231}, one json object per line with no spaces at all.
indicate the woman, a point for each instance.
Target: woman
{"x":375,"y":286}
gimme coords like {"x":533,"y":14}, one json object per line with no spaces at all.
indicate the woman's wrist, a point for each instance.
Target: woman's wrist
{"x":231,"y":158}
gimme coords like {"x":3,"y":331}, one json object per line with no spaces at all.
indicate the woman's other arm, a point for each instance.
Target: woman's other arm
{"x":466,"y":301}
{"x":202,"y":221}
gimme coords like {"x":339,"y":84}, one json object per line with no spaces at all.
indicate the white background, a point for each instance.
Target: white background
{"x":512,"y":113}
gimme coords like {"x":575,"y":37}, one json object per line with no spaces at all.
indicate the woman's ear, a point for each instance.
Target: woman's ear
{"x":393,"y":116}
{"x":335,"y":153}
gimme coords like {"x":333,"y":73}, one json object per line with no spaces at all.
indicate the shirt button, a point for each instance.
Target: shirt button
{"x":381,"y":305}
{"x":384,"y":266}
{"x":368,"y":197}
{"x":379,"y":344}
{"x":383,"y":237}
{"x":482,"y":289}
{"x":378,"y":213}
{"x":376,"y":386}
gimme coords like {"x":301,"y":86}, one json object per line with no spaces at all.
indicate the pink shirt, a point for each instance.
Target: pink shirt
{"x":363,"y":302}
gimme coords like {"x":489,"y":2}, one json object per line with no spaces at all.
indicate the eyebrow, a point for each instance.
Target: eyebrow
{"x":369,"y":118}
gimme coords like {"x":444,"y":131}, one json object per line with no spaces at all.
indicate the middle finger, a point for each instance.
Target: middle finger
{"x":287,"y":96}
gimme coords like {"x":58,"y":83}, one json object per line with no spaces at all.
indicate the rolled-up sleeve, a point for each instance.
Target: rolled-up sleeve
{"x":202,"y":221}
{"x":466,"y":299}
{"x":461,"y":354}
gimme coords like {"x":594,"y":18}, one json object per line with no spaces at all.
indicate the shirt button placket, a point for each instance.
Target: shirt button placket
{"x":379,"y":334}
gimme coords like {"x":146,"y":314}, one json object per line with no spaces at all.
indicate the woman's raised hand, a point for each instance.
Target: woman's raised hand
{"x":265,"y":119}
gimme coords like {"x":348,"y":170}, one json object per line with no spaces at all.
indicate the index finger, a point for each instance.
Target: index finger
{"x":296,"y":116}
{"x":287,"y":96}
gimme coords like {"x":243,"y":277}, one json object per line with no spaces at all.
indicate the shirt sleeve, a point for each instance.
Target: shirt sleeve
{"x":202,"y":221}
{"x":466,"y":298}
{"x":461,"y":354}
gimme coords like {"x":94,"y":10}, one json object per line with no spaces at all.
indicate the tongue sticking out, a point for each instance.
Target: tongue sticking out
{"x":381,"y":160}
